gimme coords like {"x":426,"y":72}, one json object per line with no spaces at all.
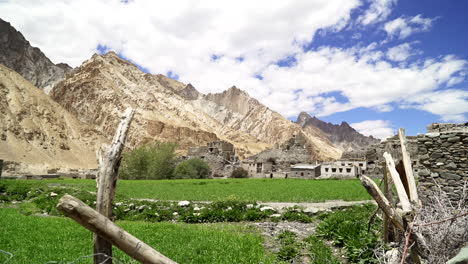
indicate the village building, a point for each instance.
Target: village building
{"x":220,"y":156}
{"x":258,"y":169}
{"x":304,"y":171}
{"x":343,"y":169}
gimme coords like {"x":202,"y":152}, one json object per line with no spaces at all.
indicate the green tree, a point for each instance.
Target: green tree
{"x":192,"y":169}
{"x":239,"y":173}
{"x":154,"y":160}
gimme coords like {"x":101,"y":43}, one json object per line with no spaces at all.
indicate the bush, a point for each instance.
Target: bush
{"x":151,"y":161}
{"x":192,"y":169}
{"x":239,"y":173}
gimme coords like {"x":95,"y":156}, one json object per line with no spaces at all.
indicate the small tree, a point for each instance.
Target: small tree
{"x":155,"y":160}
{"x":239,"y":173}
{"x":192,"y":169}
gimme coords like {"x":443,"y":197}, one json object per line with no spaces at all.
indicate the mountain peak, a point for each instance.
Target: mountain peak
{"x":343,"y":135}
{"x":302,"y":118}
{"x":17,"y":54}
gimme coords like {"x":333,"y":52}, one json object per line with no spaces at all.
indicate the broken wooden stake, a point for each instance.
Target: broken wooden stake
{"x":382,"y":201}
{"x":106,"y":229}
{"x":402,"y":196}
{"x":109,"y":162}
{"x":413,"y":192}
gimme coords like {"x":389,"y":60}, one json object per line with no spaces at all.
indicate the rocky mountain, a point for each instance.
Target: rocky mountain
{"x":17,"y":54}
{"x":342,"y":136}
{"x":36,"y":130}
{"x":169,"y":110}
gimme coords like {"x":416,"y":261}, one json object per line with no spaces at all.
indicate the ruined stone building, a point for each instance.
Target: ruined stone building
{"x":257,"y":169}
{"x":293,"y":151}
{"x":220,"y":156}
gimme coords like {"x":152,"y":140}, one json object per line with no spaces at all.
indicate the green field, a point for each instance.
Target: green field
{"x":275,"y":190}
{"x":33,"y":239}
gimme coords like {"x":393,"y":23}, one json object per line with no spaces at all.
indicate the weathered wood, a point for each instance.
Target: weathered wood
{"x":387,"y":227}
{"x":109,"y":162}
{"x":105,"y":228}
{"x":413,"y":192}
{"x":402,"y":196}
{"x":383,"y":203}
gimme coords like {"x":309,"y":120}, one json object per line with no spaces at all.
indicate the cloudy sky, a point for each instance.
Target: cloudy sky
{"x":377,"y":64}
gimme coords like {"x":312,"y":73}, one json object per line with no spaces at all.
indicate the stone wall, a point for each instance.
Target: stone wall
{"x":439,"y":157}
{"x":443,"y":153}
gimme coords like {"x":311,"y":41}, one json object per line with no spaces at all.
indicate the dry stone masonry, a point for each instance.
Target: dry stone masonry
{"x":443,"y":153}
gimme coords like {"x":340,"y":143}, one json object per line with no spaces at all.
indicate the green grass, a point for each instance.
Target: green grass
{"x":35,"y":239}
{"x":348,"y":229}
{"x":276,"y":190}
{"x":319,"y":252}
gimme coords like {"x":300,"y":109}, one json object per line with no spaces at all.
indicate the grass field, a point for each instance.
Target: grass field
{"x":33,"y":239}
{"x":275,"y":190}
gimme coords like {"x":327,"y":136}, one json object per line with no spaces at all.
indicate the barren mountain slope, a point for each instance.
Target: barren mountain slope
{"x":343,"y":136}
{"x":169,"y":110}
{"x":17,"y":54}
{"x":36,"y":130}
{"x":105,"y":85}
{"x":236,"y":109}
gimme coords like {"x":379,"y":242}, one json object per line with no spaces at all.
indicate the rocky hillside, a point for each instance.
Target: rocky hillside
{"x":17,"y":54}
{"x":169,"y":110}
{"x":342,"y":136}
{"x":234,"y":108}
{"x":36,"y":130}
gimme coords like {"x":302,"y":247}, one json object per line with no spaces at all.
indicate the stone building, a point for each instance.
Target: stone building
{"x":293,"y":151}
{"x":220,"y":156}
{"x":304,"y":171}
{"x":258,"y":169}
{"x":343,"y":169}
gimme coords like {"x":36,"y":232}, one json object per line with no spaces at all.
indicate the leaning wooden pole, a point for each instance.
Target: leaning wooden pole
{"x":109,"y":162}
{"x":413,"y":192}
{"x":106,"y":229}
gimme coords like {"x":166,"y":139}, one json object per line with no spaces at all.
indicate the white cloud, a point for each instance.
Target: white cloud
{"x":378,"y":11}
{"x":181,"y":36}
{"x":401,"y":52}
{"x":377,"y":128}
{"x":403,"y":27}
{"x":451,"y":105}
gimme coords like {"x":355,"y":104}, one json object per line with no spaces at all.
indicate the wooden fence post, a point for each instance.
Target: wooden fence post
{"x":109,"y":162}
{"x":105,"y":228}
{"x":413,"y":193}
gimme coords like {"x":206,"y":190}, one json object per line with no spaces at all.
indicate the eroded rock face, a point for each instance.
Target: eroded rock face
{"x":17,"y":54}
{"x":36,"y":130}
{"x":168,"y":110}
{"x":342,"y":136}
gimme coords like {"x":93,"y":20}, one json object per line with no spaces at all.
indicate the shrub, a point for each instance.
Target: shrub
{"x":192,"y":169}
{"x":239,"y":173}
{"x":151,"y":161}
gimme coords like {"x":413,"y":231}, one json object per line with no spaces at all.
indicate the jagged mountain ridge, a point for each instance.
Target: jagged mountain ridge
{"x":343,"y":136}
{"x":36,"y":130}
{"x":17,"y":54}
{"x":169,"y":110}
{"x":105,"y":85}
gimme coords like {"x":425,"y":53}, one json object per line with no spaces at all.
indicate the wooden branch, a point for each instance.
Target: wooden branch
{"x":413,"y":192}
{"x":105,"y":228}
{"x":405,"y":204}
{"x":109,"y":162}
{"x":383,"y":203}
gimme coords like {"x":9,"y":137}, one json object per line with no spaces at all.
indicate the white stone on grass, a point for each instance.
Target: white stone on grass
{"x":183,"y":203}
{"x":267,"y":208}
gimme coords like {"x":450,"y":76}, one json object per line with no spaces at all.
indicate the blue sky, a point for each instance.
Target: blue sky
{"x":377,"y":64}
